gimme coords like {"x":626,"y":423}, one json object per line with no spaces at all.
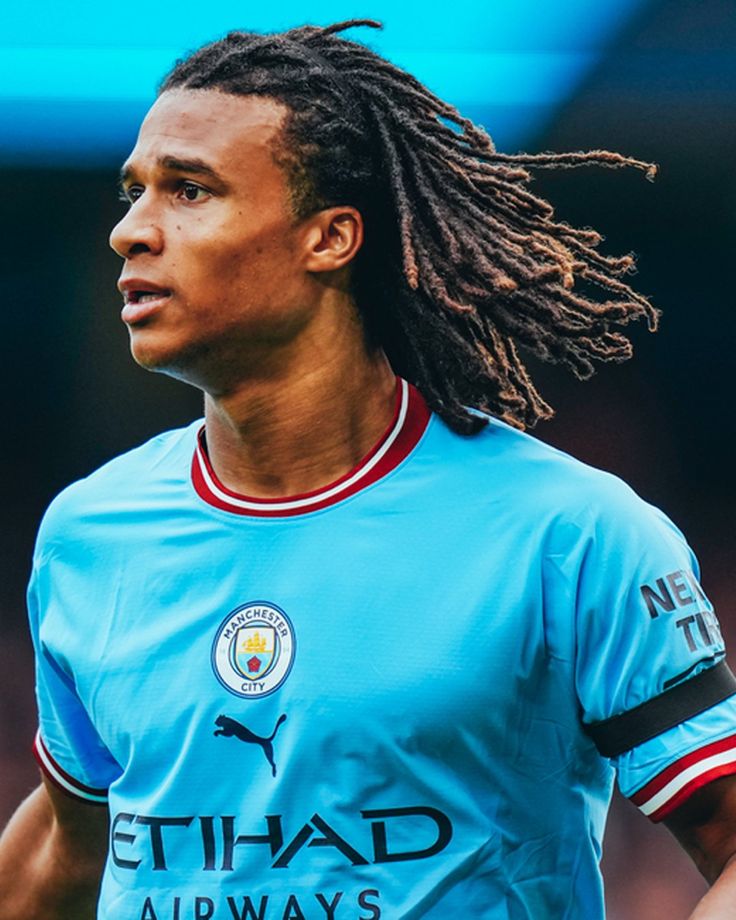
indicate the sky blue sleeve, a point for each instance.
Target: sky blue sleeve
{"x":67,"y":747}
{"x":644,"y":627}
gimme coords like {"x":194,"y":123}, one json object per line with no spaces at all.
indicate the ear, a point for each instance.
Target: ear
{"x":332,"y":238}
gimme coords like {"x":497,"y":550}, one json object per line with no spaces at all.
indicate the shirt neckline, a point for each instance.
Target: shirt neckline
{"x":409,"y":422}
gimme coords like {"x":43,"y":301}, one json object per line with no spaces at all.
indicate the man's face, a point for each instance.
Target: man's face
{"x":213,"y":269}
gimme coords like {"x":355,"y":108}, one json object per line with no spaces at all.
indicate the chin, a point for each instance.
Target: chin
{"x":147,"y":357}
{"x":151,"y":351}
{"x":158,"y":354}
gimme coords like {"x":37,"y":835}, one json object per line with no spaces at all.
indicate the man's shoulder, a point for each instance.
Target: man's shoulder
{"x":131,"y":477}
{"x":520,"y":460}
{"x":503,"y":465}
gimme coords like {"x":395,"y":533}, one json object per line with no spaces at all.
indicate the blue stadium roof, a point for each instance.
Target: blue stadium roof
{"x":73,"y":88}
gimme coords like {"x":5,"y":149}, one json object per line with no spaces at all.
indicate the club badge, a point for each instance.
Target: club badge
{"x":254,"y":649}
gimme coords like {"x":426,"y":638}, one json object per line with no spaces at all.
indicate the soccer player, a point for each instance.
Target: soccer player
{"x":357,"y":646}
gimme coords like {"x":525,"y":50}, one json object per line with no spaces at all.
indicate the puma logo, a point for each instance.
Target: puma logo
{"x":230,"y":728}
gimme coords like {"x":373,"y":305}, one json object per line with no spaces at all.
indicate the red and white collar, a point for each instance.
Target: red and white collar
{"x":410,"y":420}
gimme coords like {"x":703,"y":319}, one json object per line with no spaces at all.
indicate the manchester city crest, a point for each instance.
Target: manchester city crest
{"x":254,"y":649}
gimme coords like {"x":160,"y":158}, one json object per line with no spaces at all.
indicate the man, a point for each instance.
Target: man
{"x":356,"y":648}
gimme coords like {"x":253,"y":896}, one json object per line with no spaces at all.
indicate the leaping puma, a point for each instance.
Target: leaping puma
{"x":232,"y":728}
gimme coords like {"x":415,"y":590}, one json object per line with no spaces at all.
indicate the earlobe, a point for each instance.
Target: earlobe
{"x":333,"y":239}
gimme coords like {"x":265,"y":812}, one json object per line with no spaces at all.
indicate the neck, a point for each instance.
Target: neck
{"x":305,"y":420}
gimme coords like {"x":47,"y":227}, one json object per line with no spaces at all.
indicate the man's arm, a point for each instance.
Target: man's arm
{"x":51,"y":858}
{"x":705,"y":825}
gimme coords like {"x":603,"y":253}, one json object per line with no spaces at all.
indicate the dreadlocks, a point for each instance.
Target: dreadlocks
{"x":462,"y":265}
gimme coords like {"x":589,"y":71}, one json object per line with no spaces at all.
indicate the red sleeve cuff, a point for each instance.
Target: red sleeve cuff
{"x":63,"y":780}
{"x":670,"y":788}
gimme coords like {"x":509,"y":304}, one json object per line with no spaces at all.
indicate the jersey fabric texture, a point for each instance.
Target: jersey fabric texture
{"x":373,"y":700}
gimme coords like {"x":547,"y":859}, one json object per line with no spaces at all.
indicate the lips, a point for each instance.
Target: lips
{"x":142,"y":299}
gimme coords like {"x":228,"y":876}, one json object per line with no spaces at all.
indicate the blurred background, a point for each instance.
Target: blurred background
{"x":656,"y":80}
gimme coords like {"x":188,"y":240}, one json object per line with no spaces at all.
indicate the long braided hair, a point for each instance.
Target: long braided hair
{"x":462,"y":265}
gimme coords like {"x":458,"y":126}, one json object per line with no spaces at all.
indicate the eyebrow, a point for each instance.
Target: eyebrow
{"x":175,"y":164}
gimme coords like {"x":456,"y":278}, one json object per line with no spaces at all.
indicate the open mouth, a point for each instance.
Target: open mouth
{"x":141,"y":305}
{"x":144,"y":296}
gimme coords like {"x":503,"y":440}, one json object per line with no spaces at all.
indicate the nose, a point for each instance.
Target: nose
{"x":137,"y":232}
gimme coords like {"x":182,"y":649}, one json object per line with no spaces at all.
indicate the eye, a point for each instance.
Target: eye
{"x":192,"y":192}
{"x":131,"y":194}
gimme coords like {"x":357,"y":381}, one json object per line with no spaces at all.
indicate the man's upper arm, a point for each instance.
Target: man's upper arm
{"x":81,"y":827}
{"x":705,"y":825}
{"x":52,"y":854}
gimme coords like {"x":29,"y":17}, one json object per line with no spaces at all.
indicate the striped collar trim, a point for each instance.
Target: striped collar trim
{"x":409,"y":423}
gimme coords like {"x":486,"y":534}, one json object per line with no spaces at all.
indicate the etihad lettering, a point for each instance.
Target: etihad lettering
{"x":380,"y":839}
{"x":337,"y":906}
{"x":137,"y":840}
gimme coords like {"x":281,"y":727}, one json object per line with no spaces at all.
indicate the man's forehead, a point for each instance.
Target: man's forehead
{"x":209,"y":125}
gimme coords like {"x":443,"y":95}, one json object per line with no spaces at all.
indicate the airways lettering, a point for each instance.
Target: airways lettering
{"x":270,"y":907}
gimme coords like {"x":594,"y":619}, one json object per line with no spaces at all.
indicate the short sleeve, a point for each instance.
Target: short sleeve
{"x":656,"y":694}
{"x":67,"y":747}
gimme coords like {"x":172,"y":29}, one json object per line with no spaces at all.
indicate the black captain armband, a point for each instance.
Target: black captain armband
{"x":625,"y":731}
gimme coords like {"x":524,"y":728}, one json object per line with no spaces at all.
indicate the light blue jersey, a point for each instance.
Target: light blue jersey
{"x":384,"y":699}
